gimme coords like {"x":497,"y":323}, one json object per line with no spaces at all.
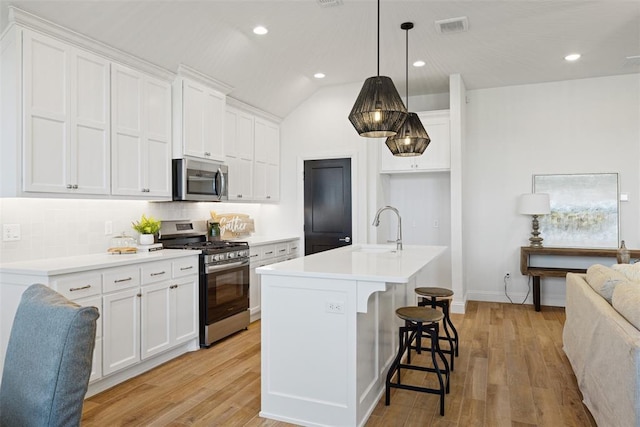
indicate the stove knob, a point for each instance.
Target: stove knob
{"x":232,"y":255}
{"x":218,"y":257}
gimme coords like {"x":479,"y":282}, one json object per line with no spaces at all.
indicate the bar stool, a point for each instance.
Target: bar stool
{"x":419,"y":322}
{"x":441,"y":297}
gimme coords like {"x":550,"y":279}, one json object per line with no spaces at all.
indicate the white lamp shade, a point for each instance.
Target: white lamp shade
{"x":534,"y":204}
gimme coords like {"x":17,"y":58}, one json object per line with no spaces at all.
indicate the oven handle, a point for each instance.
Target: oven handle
{"x":212,"y":268}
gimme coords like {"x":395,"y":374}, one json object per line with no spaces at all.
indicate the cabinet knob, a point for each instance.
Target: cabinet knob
{"x":69,"y":186}
{"x":75,"y":186}
{"x":268,"y":197}
{"x":139,"y":295}
{"x":239,"y":196}
{"x":207,"y":154}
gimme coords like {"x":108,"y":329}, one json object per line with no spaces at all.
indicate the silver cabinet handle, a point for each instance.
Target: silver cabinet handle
{"x":346,"y":239}
{"x":186,"y":268}
{"x":80,"y":288}
{"x":158,"y":274}
{"x":123,"y":280}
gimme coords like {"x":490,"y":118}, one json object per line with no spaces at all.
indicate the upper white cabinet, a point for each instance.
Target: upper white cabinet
{"x":266,"y":172}
{"x":199,"y":120}
{"x":238,"y":141}
{"x":66,"y":143}
{"x":437,"y":156}
{"x":141,"y":134}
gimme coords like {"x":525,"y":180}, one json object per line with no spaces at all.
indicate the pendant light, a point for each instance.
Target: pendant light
{"x":411,"y":139}
{"x":378,"y":111}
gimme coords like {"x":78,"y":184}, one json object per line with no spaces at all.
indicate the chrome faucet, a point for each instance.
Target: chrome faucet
{"x":376,"y":222}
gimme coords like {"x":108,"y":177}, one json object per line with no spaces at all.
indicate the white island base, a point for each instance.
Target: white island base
{"x":330,"y":333}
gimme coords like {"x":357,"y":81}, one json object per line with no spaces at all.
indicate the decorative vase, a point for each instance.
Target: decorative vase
{"x":623,"y":254}
{"x":146,"y":239}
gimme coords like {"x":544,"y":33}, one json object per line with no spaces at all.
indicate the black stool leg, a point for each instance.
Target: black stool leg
{"x":447,"y":320}
{"x":435,"y":347}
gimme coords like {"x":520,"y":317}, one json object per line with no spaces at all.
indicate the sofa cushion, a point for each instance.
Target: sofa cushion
{"x":604,"y":279}
{"x":626,"y":301}
{"x":631,"y":271}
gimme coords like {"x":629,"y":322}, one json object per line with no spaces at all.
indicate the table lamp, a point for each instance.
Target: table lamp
{"x":534,"y":204}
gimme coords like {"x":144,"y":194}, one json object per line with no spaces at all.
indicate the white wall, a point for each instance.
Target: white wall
{"x":577,"y":126}
{"x":61,"y":227}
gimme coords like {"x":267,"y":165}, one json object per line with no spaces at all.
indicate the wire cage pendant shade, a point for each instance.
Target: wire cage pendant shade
{"x":411,"y":139}
{"x":378,"y":111}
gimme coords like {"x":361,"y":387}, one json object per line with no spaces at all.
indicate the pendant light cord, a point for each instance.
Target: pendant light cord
{"x":407,"y":68}
{"x":378,"y":38}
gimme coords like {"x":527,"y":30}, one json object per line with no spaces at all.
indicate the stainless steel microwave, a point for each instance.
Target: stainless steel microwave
{"x":200,"y":181}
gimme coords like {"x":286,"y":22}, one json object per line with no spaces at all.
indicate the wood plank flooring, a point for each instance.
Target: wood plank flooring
{"x":511,"y":371}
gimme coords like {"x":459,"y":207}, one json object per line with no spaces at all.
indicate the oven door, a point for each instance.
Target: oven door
{"x":226,"y":290}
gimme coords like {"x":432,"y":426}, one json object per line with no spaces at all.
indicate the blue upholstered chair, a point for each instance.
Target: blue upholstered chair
{"x":48,"y":361}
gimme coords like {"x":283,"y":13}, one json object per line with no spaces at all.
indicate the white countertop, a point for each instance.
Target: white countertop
{"x":377,"y":263}
{"x":72,"y":264}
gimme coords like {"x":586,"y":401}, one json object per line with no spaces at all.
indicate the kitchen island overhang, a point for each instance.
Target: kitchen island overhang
{"x":329,"y":330}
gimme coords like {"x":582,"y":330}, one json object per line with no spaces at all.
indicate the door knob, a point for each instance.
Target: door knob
{"x":346,"y":239}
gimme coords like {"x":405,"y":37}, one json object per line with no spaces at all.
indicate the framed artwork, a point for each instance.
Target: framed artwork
{"x":584,"y":210}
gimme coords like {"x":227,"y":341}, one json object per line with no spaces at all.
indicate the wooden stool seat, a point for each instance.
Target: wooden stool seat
{"x":434,"y":292}
{"x":420,"y":314}
{"x":441,"y":297}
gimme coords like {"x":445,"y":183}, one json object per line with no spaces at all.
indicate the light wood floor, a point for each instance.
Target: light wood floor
{"x":511,"y":372}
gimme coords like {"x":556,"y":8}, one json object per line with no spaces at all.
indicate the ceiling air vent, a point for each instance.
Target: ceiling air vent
{"x":452,"y":25}
{"x":329,"y":3}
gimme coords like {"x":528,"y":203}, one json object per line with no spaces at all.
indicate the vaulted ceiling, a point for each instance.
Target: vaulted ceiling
{"x":507,"y":42}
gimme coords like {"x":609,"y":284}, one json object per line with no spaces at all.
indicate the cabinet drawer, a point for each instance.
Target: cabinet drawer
{"x":155,"y":272}
{"x":292,"y":248}
{"x":267,"y":251}
{"x":121,"y":278}
{"x":184,"y":267}
{"x":78,"y":286}
{"x":281,"y":249}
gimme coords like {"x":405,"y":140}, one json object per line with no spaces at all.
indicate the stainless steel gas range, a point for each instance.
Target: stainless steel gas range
{"x":224,"y":278}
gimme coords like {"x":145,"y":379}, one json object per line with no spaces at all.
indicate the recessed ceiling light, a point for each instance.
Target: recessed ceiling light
{"x":572,"y":57}
{"x":419,"y":64}
{"x":319,"y":75}
{"x":260,"y":30}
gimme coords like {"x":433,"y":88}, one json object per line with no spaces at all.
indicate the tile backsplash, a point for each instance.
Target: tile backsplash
{"x":52,"y":228}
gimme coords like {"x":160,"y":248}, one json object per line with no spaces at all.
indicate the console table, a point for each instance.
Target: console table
{"x":539,"y":271}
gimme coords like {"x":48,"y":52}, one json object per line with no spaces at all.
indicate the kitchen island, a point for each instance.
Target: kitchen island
{"x":329,"y":330}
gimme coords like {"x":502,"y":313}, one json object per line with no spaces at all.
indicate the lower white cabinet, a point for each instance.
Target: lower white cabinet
{"x":261,"y":255}
{"x":154,"y":315}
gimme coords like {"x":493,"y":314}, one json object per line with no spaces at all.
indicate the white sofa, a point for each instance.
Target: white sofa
{"x":603,"y":345}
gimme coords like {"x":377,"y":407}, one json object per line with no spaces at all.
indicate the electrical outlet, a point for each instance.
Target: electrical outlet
{"x":334,"y":307}
{"x":507,"y":275}
{"x":10,"y":232}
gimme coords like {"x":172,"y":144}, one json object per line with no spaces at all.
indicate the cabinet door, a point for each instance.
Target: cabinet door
{"x":96,"y":365}
{"x":141,"y":132}
{"x":47,"y":114}
{"x":121,"y":330}
{"x":157,"y":152}
{"x":90,"y":140}
{"x":437,"y":156}
{"x":203,"y":112}
{"x":155,"y":331}
{"x":185,"y":307}
{"x":127,"y":134}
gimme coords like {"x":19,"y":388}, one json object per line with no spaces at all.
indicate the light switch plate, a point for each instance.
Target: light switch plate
{"x":10,"y":232}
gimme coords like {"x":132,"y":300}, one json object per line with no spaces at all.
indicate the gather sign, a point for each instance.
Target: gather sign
{"x":233,"y":225}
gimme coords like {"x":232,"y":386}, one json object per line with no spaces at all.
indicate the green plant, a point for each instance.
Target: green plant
{"x":146,"y":225}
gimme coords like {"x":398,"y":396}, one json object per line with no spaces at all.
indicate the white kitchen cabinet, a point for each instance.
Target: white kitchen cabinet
{"x":238,"y":143}
{"x":199,"y":131}
{"x":168,"y":307}
{"x":66,"y":118}
{"x":437,"y":156}
{"x":141,"y":134}
{"x":121,"y":329}
{"x":85,"y":289}
{"x":266,"y":178}
{"x":264,"y":254}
